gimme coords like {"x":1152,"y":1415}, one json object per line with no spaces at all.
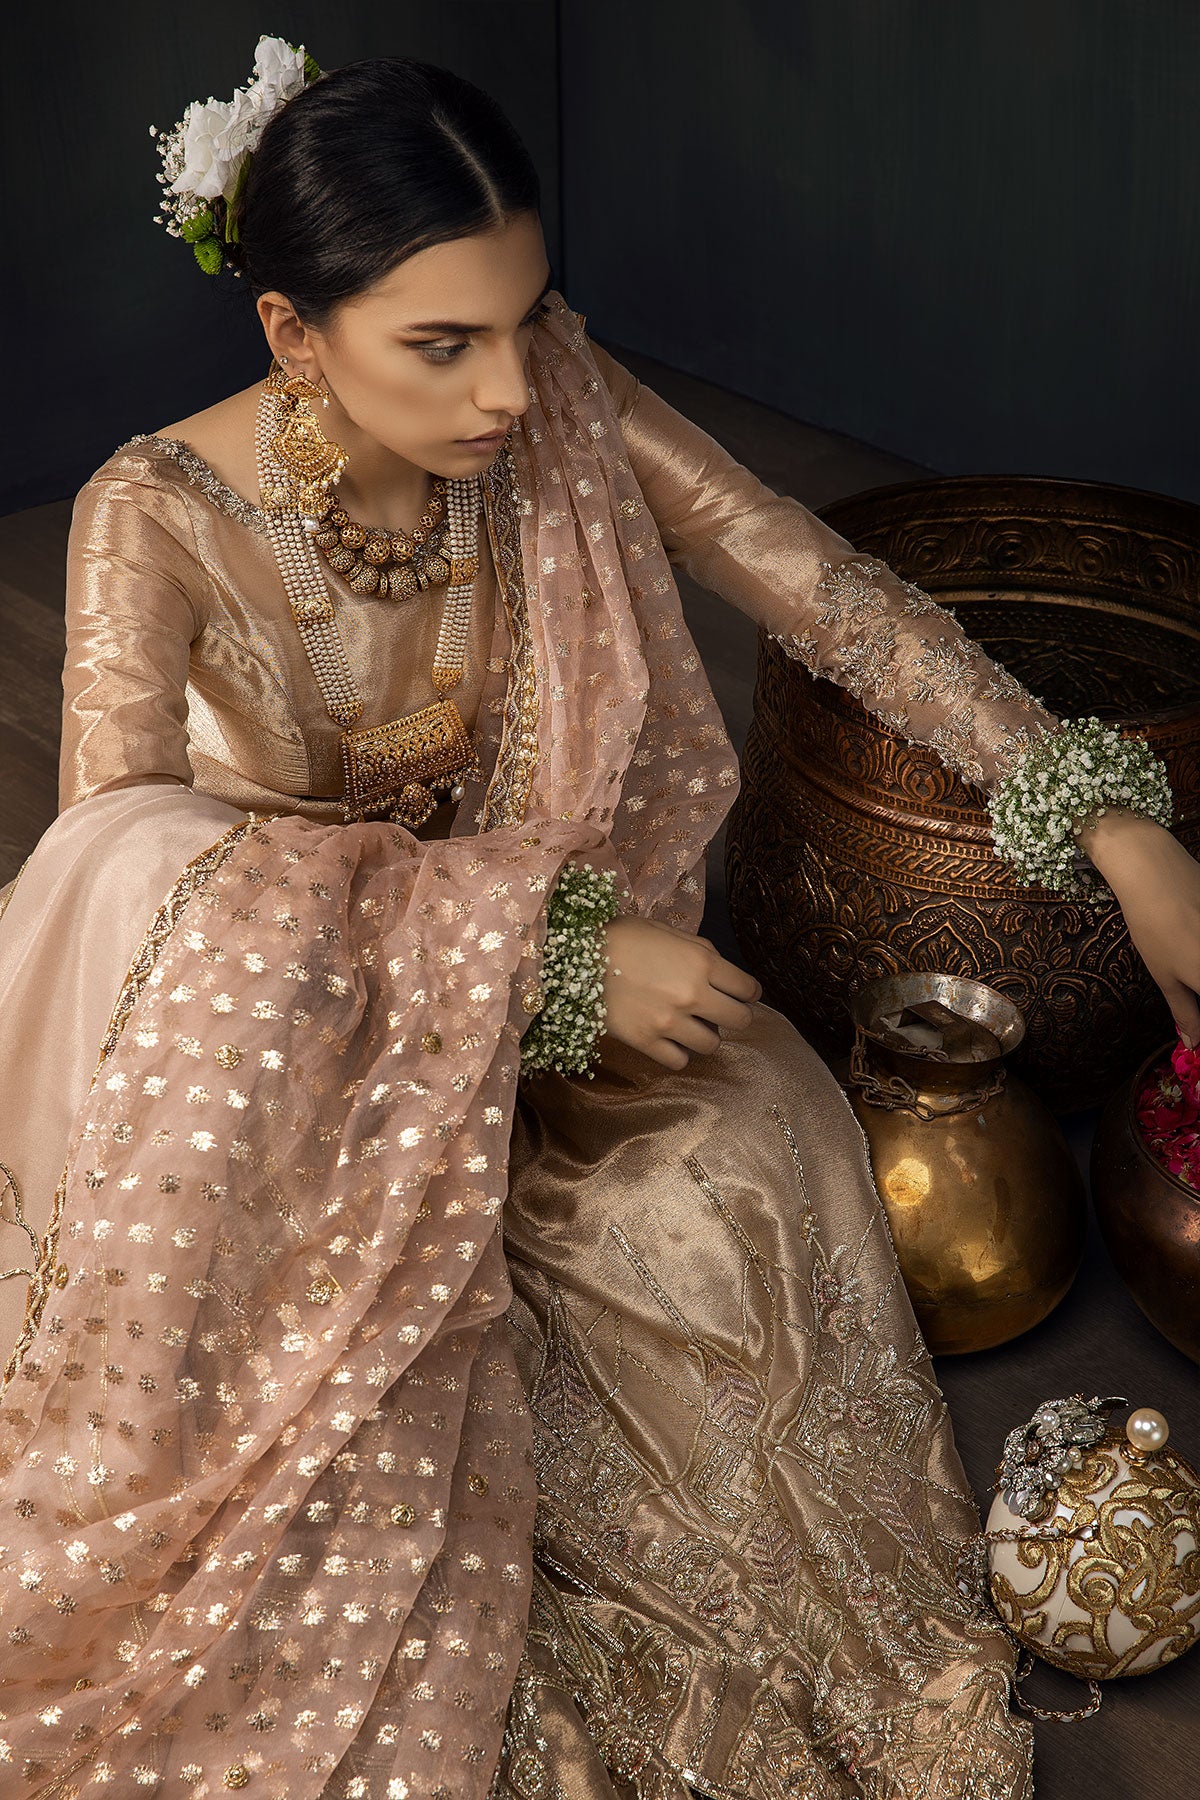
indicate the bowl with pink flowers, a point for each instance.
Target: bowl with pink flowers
{"x":1146,"y":1188}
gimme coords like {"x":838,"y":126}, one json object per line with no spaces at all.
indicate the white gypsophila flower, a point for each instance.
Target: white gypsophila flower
{"x":1080,"y":769}
{"x":564,"y":1034}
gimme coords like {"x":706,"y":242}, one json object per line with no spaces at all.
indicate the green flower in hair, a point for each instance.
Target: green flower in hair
{"x":200,"y":225}
{"x":209,"y":255}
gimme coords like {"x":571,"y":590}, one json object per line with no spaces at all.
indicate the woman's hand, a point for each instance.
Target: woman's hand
{"x":1157,"y":885}
{"x":666,"y":991}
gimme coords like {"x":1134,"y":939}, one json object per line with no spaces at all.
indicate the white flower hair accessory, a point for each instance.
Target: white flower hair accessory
{"x":206,"y":155}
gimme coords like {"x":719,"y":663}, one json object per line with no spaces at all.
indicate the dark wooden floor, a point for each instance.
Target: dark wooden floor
{"x":32,"y":557}
{"x":1145,"y":1742}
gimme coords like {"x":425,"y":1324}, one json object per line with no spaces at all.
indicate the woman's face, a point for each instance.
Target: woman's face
{"x":435,"y":352}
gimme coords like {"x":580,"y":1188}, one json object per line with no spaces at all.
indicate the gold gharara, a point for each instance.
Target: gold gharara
{"x":390,"y":770}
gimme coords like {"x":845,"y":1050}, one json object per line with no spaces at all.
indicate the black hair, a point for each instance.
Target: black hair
{"x":367,"y":165}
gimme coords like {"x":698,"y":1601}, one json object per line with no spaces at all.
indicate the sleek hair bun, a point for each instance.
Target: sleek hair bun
{"x":364,"y":167}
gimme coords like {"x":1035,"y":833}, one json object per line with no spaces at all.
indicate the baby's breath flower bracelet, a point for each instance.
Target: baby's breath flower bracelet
{"x":1064,"y":780}
{"x":564,"y":1033}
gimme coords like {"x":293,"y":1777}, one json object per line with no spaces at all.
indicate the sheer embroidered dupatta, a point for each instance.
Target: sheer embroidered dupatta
{"x":266,"y":1492}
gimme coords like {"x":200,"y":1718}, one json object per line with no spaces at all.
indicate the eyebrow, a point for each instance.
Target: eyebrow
{"x":457,"y":324}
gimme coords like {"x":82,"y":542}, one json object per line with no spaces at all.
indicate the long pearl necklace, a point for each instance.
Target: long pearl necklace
{"x":391,"y":770}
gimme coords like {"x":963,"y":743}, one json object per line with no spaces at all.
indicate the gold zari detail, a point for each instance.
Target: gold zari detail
{"x":931,"y":690}
{"x":48,"y":1272}
{"x":508,"y":792}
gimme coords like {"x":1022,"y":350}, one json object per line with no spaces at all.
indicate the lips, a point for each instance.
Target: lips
{"x":488,"y":437}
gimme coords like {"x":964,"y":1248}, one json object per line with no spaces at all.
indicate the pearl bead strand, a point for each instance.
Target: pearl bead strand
{"x":308,"y":591}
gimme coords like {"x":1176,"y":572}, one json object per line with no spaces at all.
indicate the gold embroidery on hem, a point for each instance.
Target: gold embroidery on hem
{"x":768,"y":1594}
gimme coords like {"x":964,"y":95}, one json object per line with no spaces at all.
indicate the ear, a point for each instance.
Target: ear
{"x":286,"y":335}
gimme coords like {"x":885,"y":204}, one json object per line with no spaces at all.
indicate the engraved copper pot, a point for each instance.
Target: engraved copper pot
{"x":1149,"y":1218}
{"x":984,"y":1198}
{"x":850,"y":854}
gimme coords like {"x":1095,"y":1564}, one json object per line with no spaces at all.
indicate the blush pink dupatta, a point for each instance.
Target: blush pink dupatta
{"x":266,"y":1494}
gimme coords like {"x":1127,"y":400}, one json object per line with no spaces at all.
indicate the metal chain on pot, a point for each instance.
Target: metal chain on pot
{"x":895,"y":1094}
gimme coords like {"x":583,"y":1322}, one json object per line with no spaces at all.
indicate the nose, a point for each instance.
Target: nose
{"x":504,"y":387}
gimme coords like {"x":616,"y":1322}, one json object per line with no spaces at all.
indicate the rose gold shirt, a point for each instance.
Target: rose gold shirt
{"x":183,"y":662}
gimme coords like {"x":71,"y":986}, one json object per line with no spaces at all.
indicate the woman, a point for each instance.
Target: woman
{"x":394,"y":1413}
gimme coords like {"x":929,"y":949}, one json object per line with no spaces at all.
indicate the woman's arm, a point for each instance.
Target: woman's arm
{"x":841,"y":613}
{"x":131,"y":574}
{"x":849,"y":617}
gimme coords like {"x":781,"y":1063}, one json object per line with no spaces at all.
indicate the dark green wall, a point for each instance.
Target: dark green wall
{"x":109,"y":326}
{"x":963,"y":230}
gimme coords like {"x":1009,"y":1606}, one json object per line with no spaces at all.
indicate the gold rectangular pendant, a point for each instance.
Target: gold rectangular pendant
{"x":382,"y":761}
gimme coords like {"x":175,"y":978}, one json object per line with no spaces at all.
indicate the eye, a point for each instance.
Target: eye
{"x":444,"y":353}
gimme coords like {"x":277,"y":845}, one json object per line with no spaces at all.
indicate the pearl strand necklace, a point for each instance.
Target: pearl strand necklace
{"x":433,"y":737}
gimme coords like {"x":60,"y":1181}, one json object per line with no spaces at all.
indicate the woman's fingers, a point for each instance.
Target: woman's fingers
{"x":694,"y":1034}
{"x":721,"y":1009}
{"x":671,"y":994}
{"x":1185,"y":1010}
{"x":701,"y":1029}
{"x":727,"y":978}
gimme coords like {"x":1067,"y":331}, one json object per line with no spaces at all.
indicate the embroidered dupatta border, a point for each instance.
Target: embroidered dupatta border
{"x":504,"y":804}
{"x":49,"y":1272}
{"x":508,"y":791}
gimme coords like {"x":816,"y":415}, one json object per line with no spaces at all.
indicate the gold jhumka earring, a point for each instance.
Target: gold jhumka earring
{"x":390,"y":770}
{"x":311,"y":459}
{"x":392,"y":564}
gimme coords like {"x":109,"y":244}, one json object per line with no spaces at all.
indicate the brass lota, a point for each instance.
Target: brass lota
{"x":985,"y":1200}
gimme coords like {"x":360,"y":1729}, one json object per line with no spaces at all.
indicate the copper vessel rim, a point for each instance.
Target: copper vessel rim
{"x":954,"y":487}
{"x":1131,"y":1093}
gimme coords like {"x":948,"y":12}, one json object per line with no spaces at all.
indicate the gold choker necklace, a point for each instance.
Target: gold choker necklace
{"x":392,"y":564}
